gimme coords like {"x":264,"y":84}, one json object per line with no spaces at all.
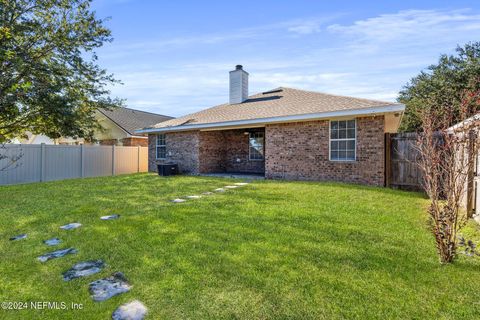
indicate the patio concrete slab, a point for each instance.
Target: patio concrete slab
{"x":243,"y":176}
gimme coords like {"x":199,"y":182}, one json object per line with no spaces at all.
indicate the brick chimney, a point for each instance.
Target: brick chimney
{"x":238,"y":85}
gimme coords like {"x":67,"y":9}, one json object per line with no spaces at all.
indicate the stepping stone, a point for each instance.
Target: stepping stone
{"x":71,"y":226}
{"x":241,"y":183}
{"x":207,"y":193}
{"x":106,"y":288}
{"x":134,"y":310}
{"x":193,"y":197}
{"x":83,"y":269}
{"x":178,"y":200}
{"x":219,"y":190}
{"x":19,"y":237}
{"x":56,"y":254}
{"x":111,"y":217}
{"x":52,"y":242}
{"x":231,"y":187}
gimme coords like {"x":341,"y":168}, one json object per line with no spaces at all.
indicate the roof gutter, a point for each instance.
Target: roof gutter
{"x":292,"y":118}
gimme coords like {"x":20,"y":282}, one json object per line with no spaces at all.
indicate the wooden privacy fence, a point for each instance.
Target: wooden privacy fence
{"x":40,"y":162}
{"x":401,"y":157}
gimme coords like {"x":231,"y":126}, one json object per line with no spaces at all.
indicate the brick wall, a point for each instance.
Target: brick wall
{"x":299,"y":151}
{"x":109,"y":142}
{"x":295,"y":151}
{"x":182,"y":148}
{"x":212,"y":152}
{"x":142,"y":142}
{"x":237,"y":153}
{"x":226,"y":151}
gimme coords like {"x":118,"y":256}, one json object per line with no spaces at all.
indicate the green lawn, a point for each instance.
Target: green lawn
{"x":269,"y":250}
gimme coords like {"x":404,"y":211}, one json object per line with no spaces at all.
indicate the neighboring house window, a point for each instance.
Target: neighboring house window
{"x":161,"y":147}
{"x":256,"y":143}
{"x":342,"y":140}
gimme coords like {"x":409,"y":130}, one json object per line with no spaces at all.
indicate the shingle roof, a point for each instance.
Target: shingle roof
{"x":131,"y":119}
{"x":278,"y":102}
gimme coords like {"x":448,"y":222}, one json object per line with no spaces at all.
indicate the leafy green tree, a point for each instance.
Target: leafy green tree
{"x":50,"y":82}
{"x":449,"y":86}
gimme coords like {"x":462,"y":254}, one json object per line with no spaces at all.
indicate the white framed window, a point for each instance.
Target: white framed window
{"x":256,"y":142}
{"x":343,"y":140}
{"x":161,"y":147}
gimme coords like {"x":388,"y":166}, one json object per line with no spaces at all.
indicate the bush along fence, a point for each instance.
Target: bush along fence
{"x":40,"y":162}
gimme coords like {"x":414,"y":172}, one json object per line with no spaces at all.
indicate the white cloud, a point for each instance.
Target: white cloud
{"x":308,"y":27}
{"x":410,"y":24}
{"x":370,"y":58}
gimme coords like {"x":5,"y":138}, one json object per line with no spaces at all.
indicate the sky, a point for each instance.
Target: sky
{"x":173,"y":57}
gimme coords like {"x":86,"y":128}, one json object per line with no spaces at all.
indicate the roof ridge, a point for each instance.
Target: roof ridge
{"x":271,"y":103}
{"x":156,"y":114}
{"x":336,"y":95}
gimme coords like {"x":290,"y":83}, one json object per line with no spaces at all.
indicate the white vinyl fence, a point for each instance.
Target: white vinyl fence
{"x":40,"y":162}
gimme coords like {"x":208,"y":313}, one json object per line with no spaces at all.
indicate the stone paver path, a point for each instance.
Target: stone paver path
{"x":134,"y":310}
{"x":19,"y":237}
{"x":56,"y":254}
{"x":52,"y":242}
{"x":110,"y":217}
{"x":106,"y":288}
{"x":83,"y":269}
{"x":71,"y":226}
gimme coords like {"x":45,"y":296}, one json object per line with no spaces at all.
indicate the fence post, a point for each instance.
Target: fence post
{"x":388,"y":160}
{"x":113,"y":160}
{"x":82,"y":161}
{"x":42,"y":162}
{"x":138,"y":159}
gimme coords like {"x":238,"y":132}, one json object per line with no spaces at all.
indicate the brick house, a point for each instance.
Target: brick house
{"x":283,"y":133}
{"x":118,"y":128}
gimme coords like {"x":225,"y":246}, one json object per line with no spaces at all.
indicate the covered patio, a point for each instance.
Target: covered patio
{"x":233,"y":151}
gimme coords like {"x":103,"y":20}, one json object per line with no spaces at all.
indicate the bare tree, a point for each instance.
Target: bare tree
{"x":446,"y":158}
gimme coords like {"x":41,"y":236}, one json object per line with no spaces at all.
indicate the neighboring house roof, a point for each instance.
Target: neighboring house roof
{"x":277,"y":105}
{"x":130,"y":119}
